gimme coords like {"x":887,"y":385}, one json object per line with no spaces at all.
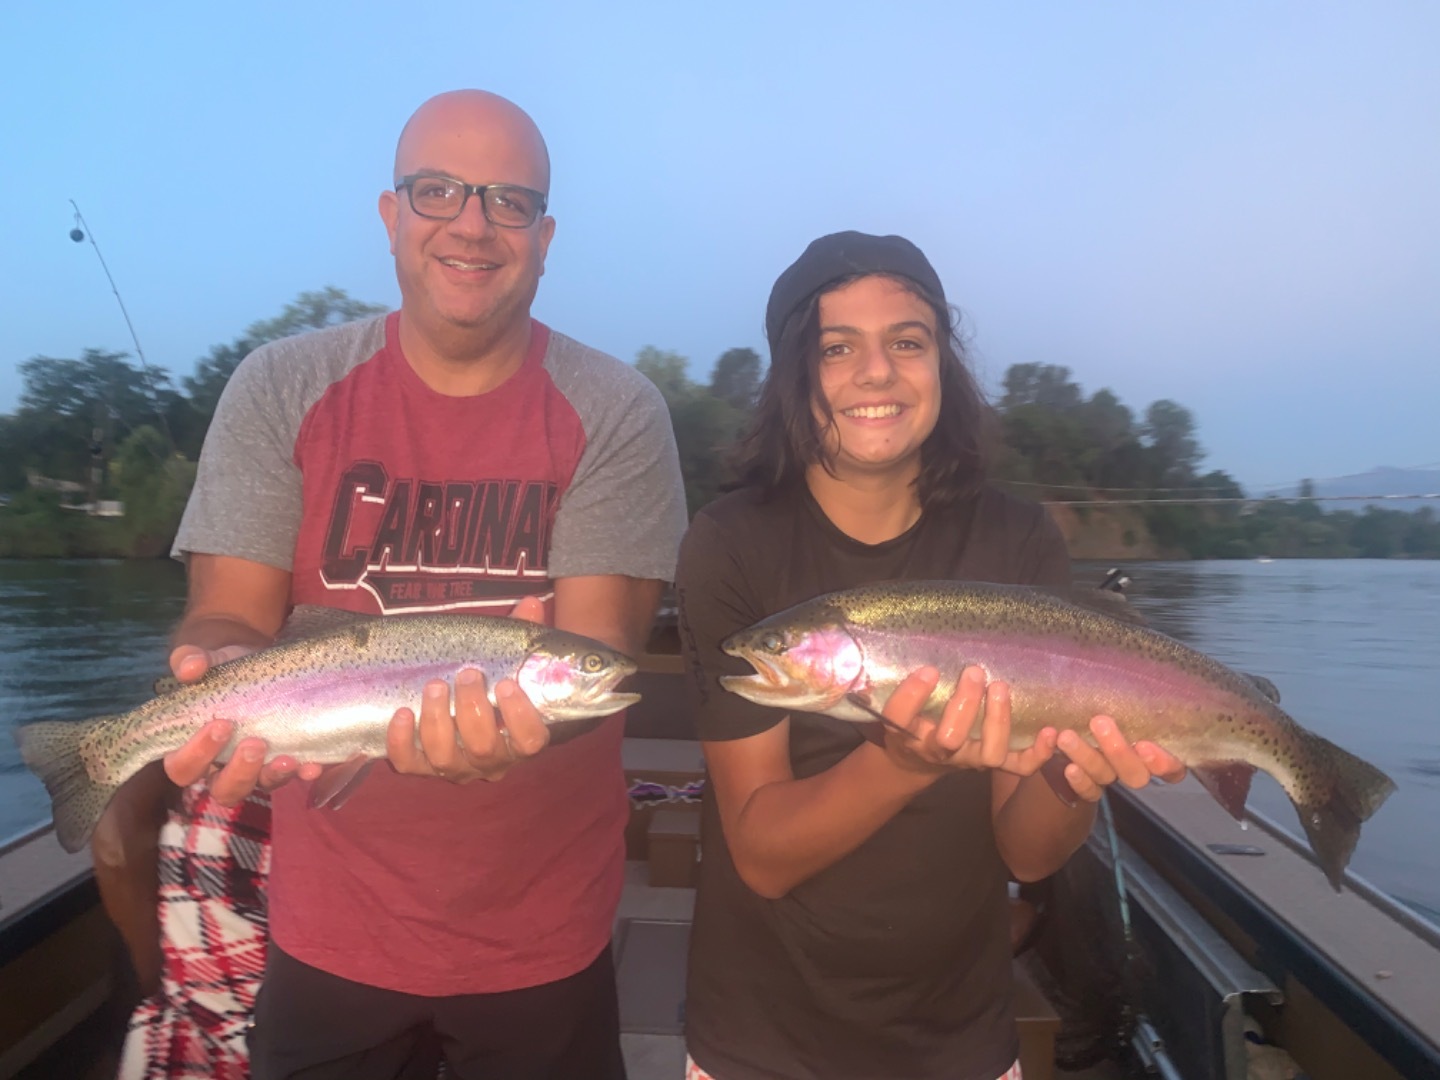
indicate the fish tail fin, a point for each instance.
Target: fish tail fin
{"x":1332,"y":822}
{"x":51,"y":750}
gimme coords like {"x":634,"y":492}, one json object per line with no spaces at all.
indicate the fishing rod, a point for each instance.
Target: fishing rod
{"x":79,"y":233}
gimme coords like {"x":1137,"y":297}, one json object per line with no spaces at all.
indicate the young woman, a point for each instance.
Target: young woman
{"x":851,"y":919}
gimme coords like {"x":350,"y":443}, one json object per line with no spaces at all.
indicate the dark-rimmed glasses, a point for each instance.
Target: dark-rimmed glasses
{"x":443,"y":198}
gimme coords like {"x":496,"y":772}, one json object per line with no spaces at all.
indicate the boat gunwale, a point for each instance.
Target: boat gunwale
{"x":1378,"y":1023}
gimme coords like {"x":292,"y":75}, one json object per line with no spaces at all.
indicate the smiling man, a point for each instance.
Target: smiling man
{"x":456,"y":455}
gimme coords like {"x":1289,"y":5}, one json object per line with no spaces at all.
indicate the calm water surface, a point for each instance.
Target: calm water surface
{"x":1353,"y":645}
{"x":78,"y":638}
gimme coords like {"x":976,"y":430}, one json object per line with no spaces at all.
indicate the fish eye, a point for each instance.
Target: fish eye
{"x":592,"y":663}
{"x":772,"y":642}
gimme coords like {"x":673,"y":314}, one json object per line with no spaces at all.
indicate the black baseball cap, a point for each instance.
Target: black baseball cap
{"x":842,"y":255}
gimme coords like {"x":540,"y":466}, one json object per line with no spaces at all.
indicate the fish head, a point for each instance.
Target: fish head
{"x":808,"y":665}
{"x":567,"y":677}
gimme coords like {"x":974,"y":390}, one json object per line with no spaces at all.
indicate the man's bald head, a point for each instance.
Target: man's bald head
{"x":474,"y":115}
{"x":466,"y":280}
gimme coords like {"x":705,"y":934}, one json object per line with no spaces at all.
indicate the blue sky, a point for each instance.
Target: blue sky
{"x":1233,"y":205}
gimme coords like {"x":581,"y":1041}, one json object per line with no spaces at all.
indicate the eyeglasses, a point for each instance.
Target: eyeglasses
{"x":443,"y":198}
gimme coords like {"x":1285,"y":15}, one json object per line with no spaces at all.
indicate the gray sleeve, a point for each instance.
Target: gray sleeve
{"x":624,"y":511}
{"x":246,"y":501}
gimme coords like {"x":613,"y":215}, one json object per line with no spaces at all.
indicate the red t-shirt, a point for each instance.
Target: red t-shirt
{"x":403,"y":499}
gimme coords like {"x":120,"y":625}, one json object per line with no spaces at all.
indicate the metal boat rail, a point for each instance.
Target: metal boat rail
{"x":1292,"y":926}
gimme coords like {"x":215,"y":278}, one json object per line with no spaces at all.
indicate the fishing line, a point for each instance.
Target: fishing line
{"x":1134,"y":1023}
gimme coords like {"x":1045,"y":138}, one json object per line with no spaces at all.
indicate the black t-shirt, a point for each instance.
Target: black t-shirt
{"x":895,"y":961}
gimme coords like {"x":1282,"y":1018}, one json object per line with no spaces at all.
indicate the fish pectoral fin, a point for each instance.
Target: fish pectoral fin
{"x":1229,"y":782}
{"x":1054,"y":773}
{"x":864,"y":706}
{"x":873,"y":733}
{"x":335,"y":785}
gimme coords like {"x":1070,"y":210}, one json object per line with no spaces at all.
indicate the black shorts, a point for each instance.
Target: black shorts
{"x":310,"y":1025}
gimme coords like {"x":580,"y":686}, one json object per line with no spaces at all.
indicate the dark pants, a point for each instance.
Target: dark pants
{"x":313,"y":1026}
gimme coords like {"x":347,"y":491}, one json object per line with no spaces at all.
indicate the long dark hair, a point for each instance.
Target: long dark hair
{"x":784,"y":440}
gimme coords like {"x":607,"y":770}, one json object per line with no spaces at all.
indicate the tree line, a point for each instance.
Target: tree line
{"x":1061,"y":446}
{"x":98,"y":427}
{"x":1055,"y":444}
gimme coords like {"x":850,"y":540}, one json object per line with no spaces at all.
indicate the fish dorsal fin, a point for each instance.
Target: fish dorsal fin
{"x":1102,"y":600}
{"x":1265,"y":686}
{"x":313,"y":620}
{"x":167,"y":684}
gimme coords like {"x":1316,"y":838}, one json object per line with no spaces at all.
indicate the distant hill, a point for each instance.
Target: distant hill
{"x":1381,"y":480}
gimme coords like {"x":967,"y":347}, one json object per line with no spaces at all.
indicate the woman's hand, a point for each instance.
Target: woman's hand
{"x":1092,"y":770}
{"x":919,"y":744}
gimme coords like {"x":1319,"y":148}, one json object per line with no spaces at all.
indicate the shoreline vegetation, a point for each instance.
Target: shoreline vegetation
{"x":99,"y":458}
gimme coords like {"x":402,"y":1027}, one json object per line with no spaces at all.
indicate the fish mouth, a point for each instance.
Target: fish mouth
{"x":600,"y":698}
{"x":754,"y":687}
{"x":595,"y":703}
{"x":611,"y":701}
{"x":767,"y":684}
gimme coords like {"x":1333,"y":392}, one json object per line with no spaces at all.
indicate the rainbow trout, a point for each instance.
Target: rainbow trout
{"x":843,"y":654}
{"x":324,"y":692}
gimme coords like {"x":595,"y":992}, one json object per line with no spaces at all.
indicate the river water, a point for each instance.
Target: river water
{"x":1353,"y":645}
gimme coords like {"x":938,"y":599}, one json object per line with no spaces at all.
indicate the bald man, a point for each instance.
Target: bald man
{"x":456,"y":455}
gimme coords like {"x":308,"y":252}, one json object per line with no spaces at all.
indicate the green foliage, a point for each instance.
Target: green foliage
{"x":736,"y":378}
{"x":36,"y":526}
{"x":705,"y":422}
{"x":312,"y":311}
{"x":667,"y":371}
{"x":1057,"y":444}
{"x":1170,"y":431}
{"x":1045,"y":385}
{"x":1061,"y":447}
{"x":153,"y":488}
{"x":308,"y":311}
{"x":103,"y":411}
{"x":13,"y":449}
{"x":69,"y":406}
{"x":1421,"y":536}
{"x":704,"y":427}
{"x":212,"y":373}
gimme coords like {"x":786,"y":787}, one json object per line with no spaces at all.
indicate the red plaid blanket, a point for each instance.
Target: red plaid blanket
{"x":213,"y":866}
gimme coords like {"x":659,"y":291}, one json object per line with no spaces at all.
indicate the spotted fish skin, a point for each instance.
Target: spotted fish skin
{"x":844,"y":653}
{"x":325,"y":693}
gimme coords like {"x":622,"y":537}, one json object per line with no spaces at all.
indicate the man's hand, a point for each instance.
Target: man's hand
{"x":468,"y":745}
{"x":247,"y":768}
{"x":471,"y":743}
